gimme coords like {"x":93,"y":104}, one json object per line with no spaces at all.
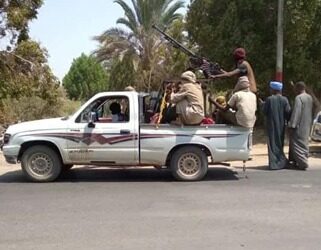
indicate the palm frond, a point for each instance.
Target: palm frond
{"x":140,"y":6}
{"x":140,"y":45}
{"x":147,"y":14}
{"x":112,"y":32}
{"x":114,"y":50}
{"x":127,"y":23}
{"x":168,"y":20}
{"x":128,"y":13}
{"x":165,"y":5}
{"x":170,"y":14}
{"x":137,"y":11}
{"x":115,"y":42}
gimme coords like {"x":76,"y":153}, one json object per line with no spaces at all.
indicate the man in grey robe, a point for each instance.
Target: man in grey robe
{"x":277,"y":110}
{"x":300,"y":126}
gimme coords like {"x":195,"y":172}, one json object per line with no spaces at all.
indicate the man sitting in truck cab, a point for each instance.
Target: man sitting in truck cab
{"x":189,"y":100}
{"x":115,"y":109}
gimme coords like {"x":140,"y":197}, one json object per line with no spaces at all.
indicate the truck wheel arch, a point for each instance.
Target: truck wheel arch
{"x":29,"y":144}
{"x":174,"y":149}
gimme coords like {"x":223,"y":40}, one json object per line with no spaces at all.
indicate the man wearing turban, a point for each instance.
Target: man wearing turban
{"x":243,"y":68}
{"x":277,"y":110}
{"x":189,"y":100}
{"x":241,"y":107}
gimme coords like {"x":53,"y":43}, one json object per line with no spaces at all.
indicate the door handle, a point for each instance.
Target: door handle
{"x":74,"y":130}
{"x":125,"y":131}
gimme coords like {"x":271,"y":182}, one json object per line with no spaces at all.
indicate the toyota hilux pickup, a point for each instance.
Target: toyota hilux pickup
{"x":93,"y":135}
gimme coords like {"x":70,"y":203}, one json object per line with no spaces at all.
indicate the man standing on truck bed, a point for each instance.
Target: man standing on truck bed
{"x":189,"y":100}
{"x":243,"y":68}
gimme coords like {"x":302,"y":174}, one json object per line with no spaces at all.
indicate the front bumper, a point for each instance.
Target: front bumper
{"x":11,"y":153}
{"x":11,"y":159}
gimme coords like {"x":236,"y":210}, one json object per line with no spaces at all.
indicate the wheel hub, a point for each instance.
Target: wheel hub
{"x":41,"y":164}
{"x":189,"y":164}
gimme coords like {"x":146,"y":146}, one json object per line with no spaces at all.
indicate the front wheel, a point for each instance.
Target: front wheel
{"x":189,"y":164}
{"x":41,"y":164}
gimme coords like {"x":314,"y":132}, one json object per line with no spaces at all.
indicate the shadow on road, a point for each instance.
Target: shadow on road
{"x":263,"y":168}
{"x":94,"y":174}
{"x":13,"y":176}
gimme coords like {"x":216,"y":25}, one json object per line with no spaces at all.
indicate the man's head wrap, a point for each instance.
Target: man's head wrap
{"x":189,"y":76}
{"x":276,"y":85}
{"x":129,"y":88}
{"x":221,"y":100}
{"x":300,"y":86}
{"x":239,"y":54}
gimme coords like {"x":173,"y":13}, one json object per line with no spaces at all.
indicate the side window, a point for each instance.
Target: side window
{"x":147,"y":109}
{"x":88,"y":112}
{"x":106,"y":110}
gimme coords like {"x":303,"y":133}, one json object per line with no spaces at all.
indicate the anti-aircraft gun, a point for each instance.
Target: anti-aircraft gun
{"x":197,"y":62}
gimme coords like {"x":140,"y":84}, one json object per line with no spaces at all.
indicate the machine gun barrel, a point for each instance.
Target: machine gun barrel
{"x":208,"y":68}
{"x":175,"y":43}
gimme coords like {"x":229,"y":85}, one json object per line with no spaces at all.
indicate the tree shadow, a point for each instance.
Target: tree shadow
{"x":100,"y":174}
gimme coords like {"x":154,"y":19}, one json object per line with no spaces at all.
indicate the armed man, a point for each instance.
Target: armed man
{"x":243,"y":68}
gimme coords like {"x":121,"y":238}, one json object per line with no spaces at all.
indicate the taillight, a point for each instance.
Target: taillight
{"x":250,"y":141}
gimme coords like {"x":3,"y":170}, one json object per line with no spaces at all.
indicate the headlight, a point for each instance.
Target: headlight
{"x":6,"y":138}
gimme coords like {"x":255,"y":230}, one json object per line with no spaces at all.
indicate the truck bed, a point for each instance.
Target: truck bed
{"x":223,"y":142}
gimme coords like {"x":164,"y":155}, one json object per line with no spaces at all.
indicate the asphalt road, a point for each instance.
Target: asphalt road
{"x":89,"y":208}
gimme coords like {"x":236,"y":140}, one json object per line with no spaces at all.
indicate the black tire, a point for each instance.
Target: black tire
{"x":189,"y":163}
{"x":66,"y":167}
{"x":41,"y":164}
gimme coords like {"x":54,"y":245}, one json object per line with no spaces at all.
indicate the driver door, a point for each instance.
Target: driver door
{"x":100,"y":139}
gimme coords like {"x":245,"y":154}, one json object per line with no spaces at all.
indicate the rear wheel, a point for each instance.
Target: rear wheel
{"x":189,"y":163}
{"x":41,"y":164}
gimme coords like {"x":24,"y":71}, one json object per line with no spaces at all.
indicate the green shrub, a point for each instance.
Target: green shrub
{"x":69,"y":107}
{"x":26,"y":109}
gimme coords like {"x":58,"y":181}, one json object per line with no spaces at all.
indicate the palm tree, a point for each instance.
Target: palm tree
{"x":139,"y":41}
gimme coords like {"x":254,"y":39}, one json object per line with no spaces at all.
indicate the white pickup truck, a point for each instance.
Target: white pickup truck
{"x":92,"y":136}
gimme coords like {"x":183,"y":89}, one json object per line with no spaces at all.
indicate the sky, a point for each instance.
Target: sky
{"x":66,"y":27}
